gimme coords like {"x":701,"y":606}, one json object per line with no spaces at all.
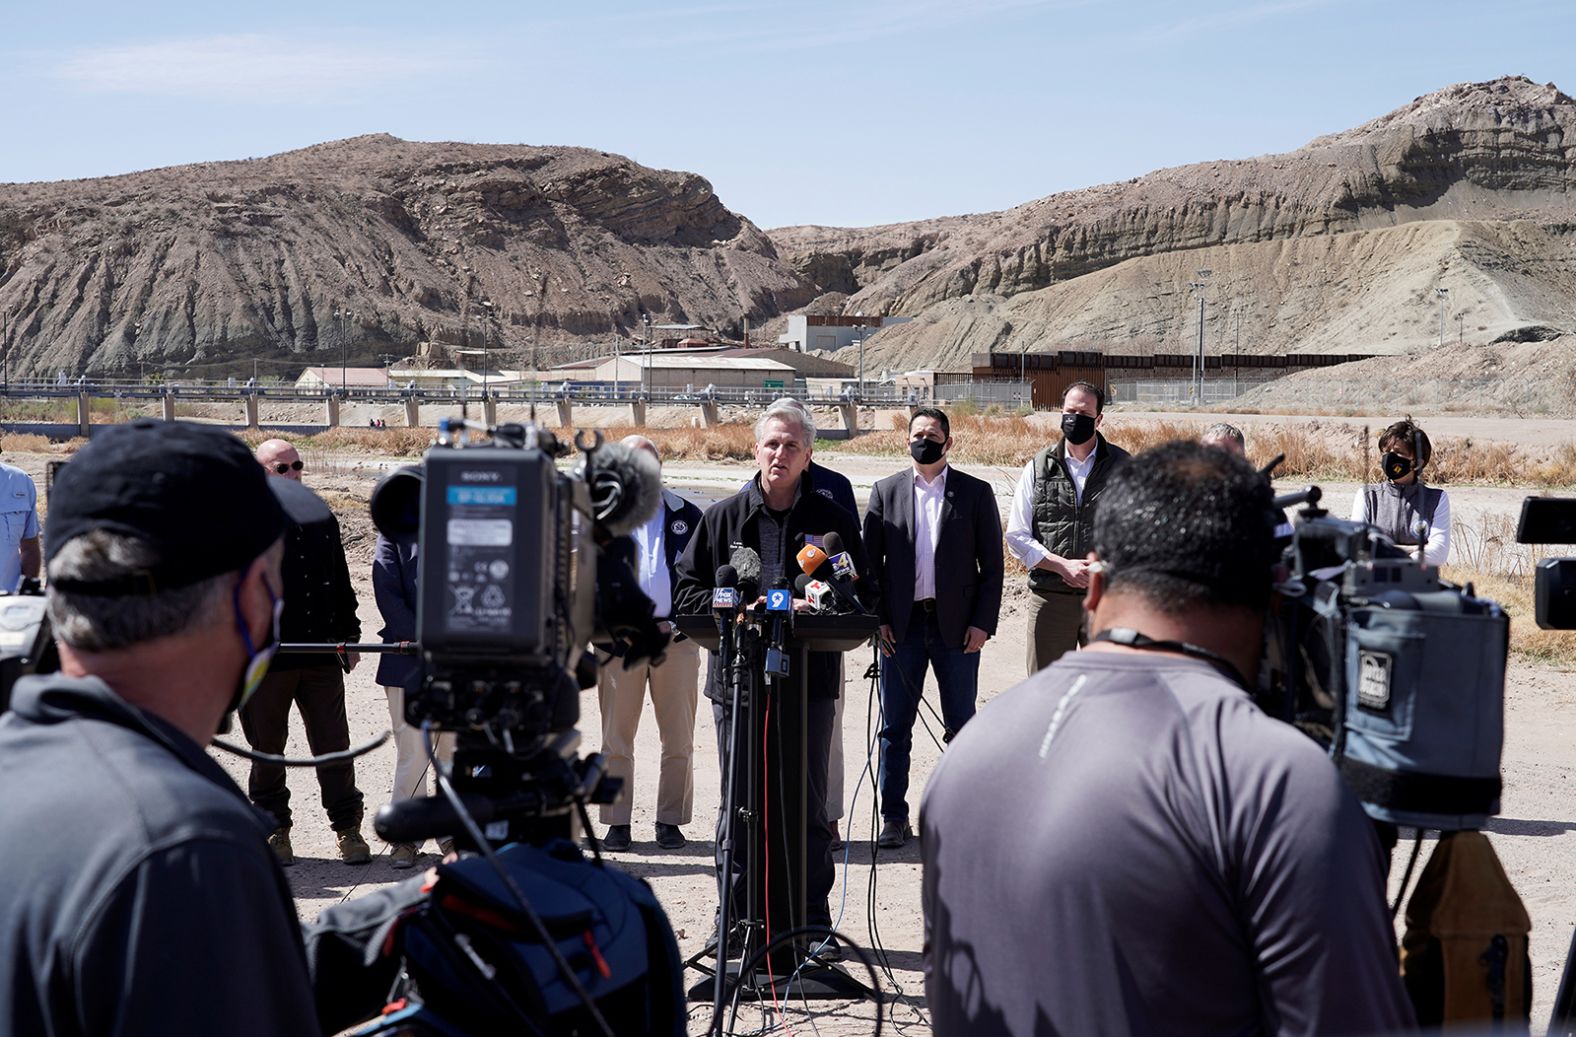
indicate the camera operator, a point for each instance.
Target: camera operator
{"x":146,"y":898}
{"x":1185,"y":864}
{"x":1401,"y":507}
{"x":772,"y":516}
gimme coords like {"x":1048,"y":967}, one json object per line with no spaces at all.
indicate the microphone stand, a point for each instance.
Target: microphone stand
{"x":735,"y":652}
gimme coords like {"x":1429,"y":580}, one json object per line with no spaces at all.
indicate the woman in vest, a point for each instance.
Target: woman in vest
{"x":1401,"y":507}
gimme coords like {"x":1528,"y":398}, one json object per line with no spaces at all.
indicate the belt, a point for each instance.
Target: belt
{"x":925,"y":605}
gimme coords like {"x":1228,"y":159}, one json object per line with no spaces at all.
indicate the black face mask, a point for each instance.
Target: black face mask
{"x":926,"y":451}
{"x":1078,"y":428}
{"x":1394,"y":465}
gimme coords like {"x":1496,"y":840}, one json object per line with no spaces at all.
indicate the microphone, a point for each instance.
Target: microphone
{"x":747,"y":563}
{"x":818,"y":594}
{"x":725,"y":596}
{"x":810,"y":558}
{"x":837,"y":569}
{"x":779,"y":606}
{"x":626,"y":487}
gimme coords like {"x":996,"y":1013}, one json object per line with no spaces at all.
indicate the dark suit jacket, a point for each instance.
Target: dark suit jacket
{"x":968,"y":554}
{"x":394,"y":584}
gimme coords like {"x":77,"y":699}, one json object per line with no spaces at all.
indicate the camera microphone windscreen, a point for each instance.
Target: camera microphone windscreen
{"x":626,"y":487}
{"x":802,"y":584}
{"x":832,"y":544}
{"x":747,"y":563}
{"x":727,"y":576}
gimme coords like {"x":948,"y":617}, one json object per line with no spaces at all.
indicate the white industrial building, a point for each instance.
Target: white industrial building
{"x":823,"y":331}
{"x":689,"y":372}
{"x":318,"y":378}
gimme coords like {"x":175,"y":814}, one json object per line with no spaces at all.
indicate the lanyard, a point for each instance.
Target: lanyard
{"x":1130,"y":638}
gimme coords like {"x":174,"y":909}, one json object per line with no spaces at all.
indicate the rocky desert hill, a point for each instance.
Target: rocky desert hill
{"x":221,"y":262}
{"x":1337,"y":247}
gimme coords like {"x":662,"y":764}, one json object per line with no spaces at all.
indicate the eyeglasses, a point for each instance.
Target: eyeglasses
{"x":281,"y":467}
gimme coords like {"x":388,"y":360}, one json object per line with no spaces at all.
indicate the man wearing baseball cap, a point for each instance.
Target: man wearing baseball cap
{"x":145,"y":898}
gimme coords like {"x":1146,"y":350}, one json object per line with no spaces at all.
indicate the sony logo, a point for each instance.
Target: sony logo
{"x":480,"y":477}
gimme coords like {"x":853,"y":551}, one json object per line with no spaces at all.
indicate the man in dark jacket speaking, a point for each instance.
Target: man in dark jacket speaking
{"x":145,"y":899}
{"x":773,"y":516}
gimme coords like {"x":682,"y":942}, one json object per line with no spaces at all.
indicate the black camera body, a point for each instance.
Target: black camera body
{"x":1551,"y":520}
{"x":506,"y":588}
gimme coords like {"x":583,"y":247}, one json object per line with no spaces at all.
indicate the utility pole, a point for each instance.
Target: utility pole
{"x":1461,"y":327}
{"x":1443,"y":294}
{"x":1199,"y":286}
{"x":646,"y":317}
{"x":486,"y":334}
{"x":861,"y":329}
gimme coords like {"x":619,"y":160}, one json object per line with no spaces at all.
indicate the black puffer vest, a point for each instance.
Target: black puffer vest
{"x":1063,"y":524}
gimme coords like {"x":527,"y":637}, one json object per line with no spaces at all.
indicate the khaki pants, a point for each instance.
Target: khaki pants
{"x":674,"y":694}
{"x":1055,"y":628}
{"x":412,"y":771}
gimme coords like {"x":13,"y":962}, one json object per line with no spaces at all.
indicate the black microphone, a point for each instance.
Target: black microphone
{"x":725,"y":599}
{"x":838,"y":573}
{"x":747,"y":563}
{"x":779,"y":607}
{"x":626,"y":487}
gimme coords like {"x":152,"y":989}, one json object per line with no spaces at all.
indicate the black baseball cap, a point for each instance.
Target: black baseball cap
{"x":193,"y":493}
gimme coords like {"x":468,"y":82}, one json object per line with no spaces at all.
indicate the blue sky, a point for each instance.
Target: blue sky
{"x":847,"y":113}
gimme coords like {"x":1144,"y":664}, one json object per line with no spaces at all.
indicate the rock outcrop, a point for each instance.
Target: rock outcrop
{"x":210,"y":265}
{"x":1295,"y":243}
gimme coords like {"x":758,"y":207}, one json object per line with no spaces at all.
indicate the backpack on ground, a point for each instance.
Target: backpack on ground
{"x":1464,"y":957}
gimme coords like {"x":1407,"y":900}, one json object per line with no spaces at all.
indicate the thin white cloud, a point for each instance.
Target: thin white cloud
{"x":255,"y":67}
{"x":1231,"y":18}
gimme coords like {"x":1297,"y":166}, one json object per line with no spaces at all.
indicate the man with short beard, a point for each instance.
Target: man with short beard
{"x":1052,"y":519}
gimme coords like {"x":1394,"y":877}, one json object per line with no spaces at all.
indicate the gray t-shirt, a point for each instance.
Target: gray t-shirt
{"x":1124,"y":844}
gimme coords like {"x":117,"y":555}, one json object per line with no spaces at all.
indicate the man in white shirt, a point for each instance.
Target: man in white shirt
{"x":1052,"y":521}
{"x":933,"y":537}
{"x":652,"y":550}
{"x":19,"y":554}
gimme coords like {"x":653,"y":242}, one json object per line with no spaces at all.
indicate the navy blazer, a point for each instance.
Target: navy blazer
{"x":394,"y":585}
{"x":969,"y":568}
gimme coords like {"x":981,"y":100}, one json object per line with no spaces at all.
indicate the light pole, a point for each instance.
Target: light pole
{"x":344,"y":317}
{"x":1443,"y":294}
{"x":646,"y":318}
{"x":860,"y":327}
{"x":486,"y":334}
{"x":1199,"y":287}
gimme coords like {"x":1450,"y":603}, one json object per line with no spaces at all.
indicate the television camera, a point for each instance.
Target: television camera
{"x":522,"y":934}
{"x":1398,"y":673}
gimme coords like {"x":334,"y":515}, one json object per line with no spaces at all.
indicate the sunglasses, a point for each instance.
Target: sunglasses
{"x":281,"y":467}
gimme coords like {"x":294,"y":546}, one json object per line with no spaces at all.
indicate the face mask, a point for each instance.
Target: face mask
{"x":1078,"y":428}
{"x":257,"y":658}
{"x":926,"y":451}
{"x":1395,"y":466}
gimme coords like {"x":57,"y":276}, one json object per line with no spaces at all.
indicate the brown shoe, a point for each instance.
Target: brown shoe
{"x":352,"y":848}
{"x":403,"y":856}
{"x":279,"y":841}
